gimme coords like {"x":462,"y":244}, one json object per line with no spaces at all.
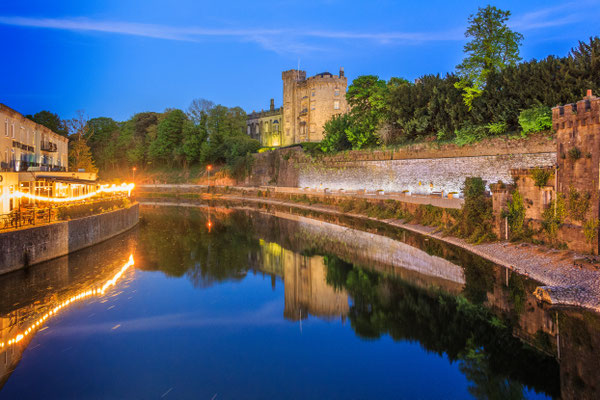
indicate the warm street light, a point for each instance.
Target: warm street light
{"x":208,"y":169}
{"x":133,"y":172}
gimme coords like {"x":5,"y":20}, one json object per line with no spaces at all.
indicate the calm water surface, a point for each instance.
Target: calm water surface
{"x":269,"y":304}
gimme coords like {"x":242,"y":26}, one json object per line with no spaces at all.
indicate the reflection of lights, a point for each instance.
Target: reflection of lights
{"x":125,"y":187}
{"x":209,"y":225}
{"x":82,"y":295}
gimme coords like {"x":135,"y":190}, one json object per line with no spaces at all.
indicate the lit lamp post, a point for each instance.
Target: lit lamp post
{"x":133,"y":173}
{"x":208,"y":169}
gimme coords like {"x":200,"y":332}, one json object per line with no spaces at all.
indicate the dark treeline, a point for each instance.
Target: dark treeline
{"x":516,"y":99}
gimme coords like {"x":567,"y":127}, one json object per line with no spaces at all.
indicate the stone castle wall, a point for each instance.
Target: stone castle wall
{"x":419,"y":169}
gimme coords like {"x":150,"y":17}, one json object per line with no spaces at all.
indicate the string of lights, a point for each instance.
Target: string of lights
{"x":125,"y":187}
{"x":83,"y":295}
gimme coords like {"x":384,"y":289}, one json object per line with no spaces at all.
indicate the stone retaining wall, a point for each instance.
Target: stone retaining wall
{"x":420,"y":169}
{"x":41,"y":243}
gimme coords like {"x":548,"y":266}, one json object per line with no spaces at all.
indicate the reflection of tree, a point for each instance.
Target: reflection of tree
{"x":490,"y":356}
{"x":475,"y":364}
{"x":176,"y":241}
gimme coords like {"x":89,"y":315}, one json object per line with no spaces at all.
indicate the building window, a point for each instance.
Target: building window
{"x":336,"y":92}
{"x":12,"y":130}
{"x":6,"y":127}
{"x":313,"y":93}
{"x":336,"y":105}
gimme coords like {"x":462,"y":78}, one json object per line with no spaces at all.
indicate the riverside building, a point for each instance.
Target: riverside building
{"x":34,"y":160}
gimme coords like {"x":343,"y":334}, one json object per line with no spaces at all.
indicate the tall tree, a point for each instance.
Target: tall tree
{"x":199,"y":108}
{"x":367,"y":98}
{"x":51,"y":121}
{"x":493,"y":47}
{"x":166,"y":147}
{"x":80,"y":155}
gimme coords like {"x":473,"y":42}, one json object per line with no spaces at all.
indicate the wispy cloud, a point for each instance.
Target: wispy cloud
{"x":561,"y":15}
{"x":278,"y":40}
{"x":285,"y":40}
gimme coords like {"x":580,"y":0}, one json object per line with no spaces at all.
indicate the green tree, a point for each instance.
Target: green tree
{"x":367,"y":99}
{"x":336,"y":138}
{"x":102,"y":142}
{"x":493,"y":47}
{"x":51,"y":121}
{"x":165,"y":148}
{"x":80,"y":155}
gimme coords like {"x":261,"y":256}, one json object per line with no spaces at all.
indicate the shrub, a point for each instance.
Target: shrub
{"x":476,"y":219}
{"x":497,"y":128}
{"x":574,"y":154}
{"x":336,"y":137}
{"x":470,"y":134}
{"x":535,"y":119}
{"x":516,"y":216}
{"x":590,"y":230}
{"x":578,"y":204}
{"x":541,"y":176}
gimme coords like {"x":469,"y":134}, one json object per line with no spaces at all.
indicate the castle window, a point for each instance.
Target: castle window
{"x":563,"y":125}
{"x":336,"y":92}
{"x":588,"y":105}
{"x":336,"y":105}
{"x":561,"y":110}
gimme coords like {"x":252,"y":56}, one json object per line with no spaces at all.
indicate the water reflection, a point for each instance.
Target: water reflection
{"x":478,"y":314}
{"x":32,"y":297}
{"x":379,"y":281}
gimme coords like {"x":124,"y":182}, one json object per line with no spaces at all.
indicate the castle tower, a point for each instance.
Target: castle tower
{"x":577,"y":129}
{"x":292,"y":79}
{"x":310,"y":102}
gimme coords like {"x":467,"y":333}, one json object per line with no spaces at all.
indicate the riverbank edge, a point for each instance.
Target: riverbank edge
{"x":26,"y":247}
{"x":563,"y":284}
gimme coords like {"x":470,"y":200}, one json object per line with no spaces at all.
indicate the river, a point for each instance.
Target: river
{"x":220,"y":302}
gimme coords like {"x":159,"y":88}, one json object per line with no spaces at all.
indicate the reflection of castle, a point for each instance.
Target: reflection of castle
{"x":305,"y":283}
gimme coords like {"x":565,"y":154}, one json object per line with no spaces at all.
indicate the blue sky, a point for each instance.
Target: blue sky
{"x":117,"y":57}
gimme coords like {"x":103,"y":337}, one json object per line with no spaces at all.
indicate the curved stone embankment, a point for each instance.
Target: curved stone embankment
{"x":564,"y":283}
{"x":30,"y":246}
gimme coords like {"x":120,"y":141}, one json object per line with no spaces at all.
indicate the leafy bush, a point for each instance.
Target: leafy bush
{"x":336,"y":138}
{"x":497,"y":128}
{"x":516,"y":216}
{"x":477,"y":215}
{"x":540,"y":176}
{"x":470,"y":134}
{"x":536,"y":119}
{"x":578,"y":204}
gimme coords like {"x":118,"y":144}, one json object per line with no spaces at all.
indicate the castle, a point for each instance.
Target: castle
{"x":307,"y":104}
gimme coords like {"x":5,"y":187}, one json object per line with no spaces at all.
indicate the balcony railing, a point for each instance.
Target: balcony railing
{"x":49,"y":146}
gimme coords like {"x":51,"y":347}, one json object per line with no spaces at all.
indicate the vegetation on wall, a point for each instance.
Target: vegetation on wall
{"x":541,"y":176}
{"x":553,"y":217}
{"x":476,"y":222}
{"x":578,"y":204}
{"x":515,"y":214}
